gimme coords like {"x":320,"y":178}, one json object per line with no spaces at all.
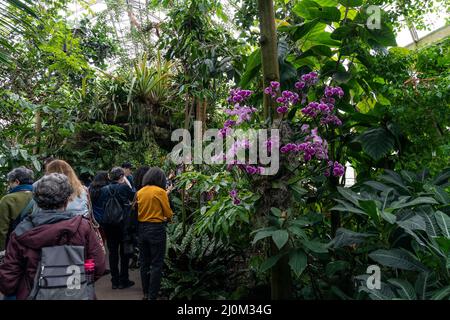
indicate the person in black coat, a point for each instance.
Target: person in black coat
{"x":117,"y":235}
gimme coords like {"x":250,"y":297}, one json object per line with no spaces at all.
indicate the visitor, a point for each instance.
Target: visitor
{"x":128,"y":169}
{"x":153,"y":214}
{"x":46,"y":228}
{"x":20,"y":182}
{"x":79,"y":200}
{"x":86,"y":179}
{"x":117,"y":233}
{"x":138,"y":178}
{"x":98,"y":198}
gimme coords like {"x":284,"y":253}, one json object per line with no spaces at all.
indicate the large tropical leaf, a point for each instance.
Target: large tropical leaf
{"x":421,"y":285}
{"x":10,"y":22}
{"x":252,"y":68}
{"x":404,"y":288}
{"x":397,"y":258}
{"x":349,"y":195}
{"x":280,"y":237}
{"x":345,"y":237}
{"x":414,"y":223}
{"x":298,"y":261}
{"x":441,"y":294}
{"x":443,"y":222}
{"x":376,"y":142}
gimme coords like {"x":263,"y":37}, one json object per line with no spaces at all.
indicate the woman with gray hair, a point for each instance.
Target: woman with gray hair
{"x":20,"y":182}
{"x":45,"y":228}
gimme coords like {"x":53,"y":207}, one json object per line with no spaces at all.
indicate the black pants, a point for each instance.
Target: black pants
{"x":115,"y":242}
{"x":152,"y":248}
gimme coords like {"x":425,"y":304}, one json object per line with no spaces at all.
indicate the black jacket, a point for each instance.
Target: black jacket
{"x":126,"y":197}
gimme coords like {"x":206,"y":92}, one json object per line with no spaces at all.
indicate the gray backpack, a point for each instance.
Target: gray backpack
{"x":61,"y":275}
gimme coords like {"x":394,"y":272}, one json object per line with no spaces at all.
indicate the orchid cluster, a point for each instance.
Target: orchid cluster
{"x":234,"y":196}
{"x":288,"y":98}
{"x":243,"y":112}
{"x":325,"y":107}
{"x":337,"y":169}
{"x":312,"y":146}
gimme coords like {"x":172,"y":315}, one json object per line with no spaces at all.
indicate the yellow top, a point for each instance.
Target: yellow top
{"x":153,"y":205}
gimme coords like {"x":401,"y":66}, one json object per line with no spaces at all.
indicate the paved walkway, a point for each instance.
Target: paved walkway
{"x":105,"y":292}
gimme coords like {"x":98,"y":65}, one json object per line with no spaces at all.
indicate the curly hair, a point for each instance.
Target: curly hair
{"x":52,"y":191}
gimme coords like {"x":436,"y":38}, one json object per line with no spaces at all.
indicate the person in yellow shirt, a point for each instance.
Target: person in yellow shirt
{"x":154,"y":212}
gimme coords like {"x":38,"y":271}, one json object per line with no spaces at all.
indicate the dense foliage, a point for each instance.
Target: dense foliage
{"x":94,"y":93}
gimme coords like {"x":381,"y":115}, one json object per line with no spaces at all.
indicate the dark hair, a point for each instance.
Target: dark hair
{"x":101,"y":179}
{"x":21,"y":174}
{"x":52,"y":191}
{"x":155,"y":177}
{"x":86,"y":179}
{"x":116,"y":173}
{"x":127,"y":165}
{"x":139,"y":177}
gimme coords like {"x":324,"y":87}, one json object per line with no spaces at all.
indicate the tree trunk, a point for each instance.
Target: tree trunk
{"x":269,"y":51}
{"x":281,"y":281}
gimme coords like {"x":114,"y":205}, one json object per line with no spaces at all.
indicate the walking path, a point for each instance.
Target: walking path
{"x":105,"y":292}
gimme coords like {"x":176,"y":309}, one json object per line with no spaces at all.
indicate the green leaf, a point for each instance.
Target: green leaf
{"x":342,"y":77}
{"x":370,"y":208}
{"x":405,"y":289}
{"x":441,"y":195}
{"x":421,"y":285}
{"x":389,"y":217}
{"x":264,"y":233}
{"x":280,"y":237}
{"x":298,"y":261}
{"x":336,"y":266}
{"x":443,"y":222}
{"x":347,"y":207}
{"x":351,"y":3}
{"x":327,"y":3}
{"x":252,"y":68}
{"x":418,"y":201}
{"x":36,"y":164}
{"x":270,"y":262}
{"x":304,"y":9}
{"x":377,"y":185}
{"x":376,"y":142}
{"x":448,"y":261}
{"x":397,"y":258}
{"x":298,"y":192}
{"x":275,"y":211}
{"x":349,"y":195}
{"x":321,"y":50}
{"x":385,"y":293}
{"x":345,"y":237}
{"x":298,"y":231}
{"x":299,"y":31}
{"x":441,"y":294}
{"x":414,"y":223}
{"x":315,"y":246}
